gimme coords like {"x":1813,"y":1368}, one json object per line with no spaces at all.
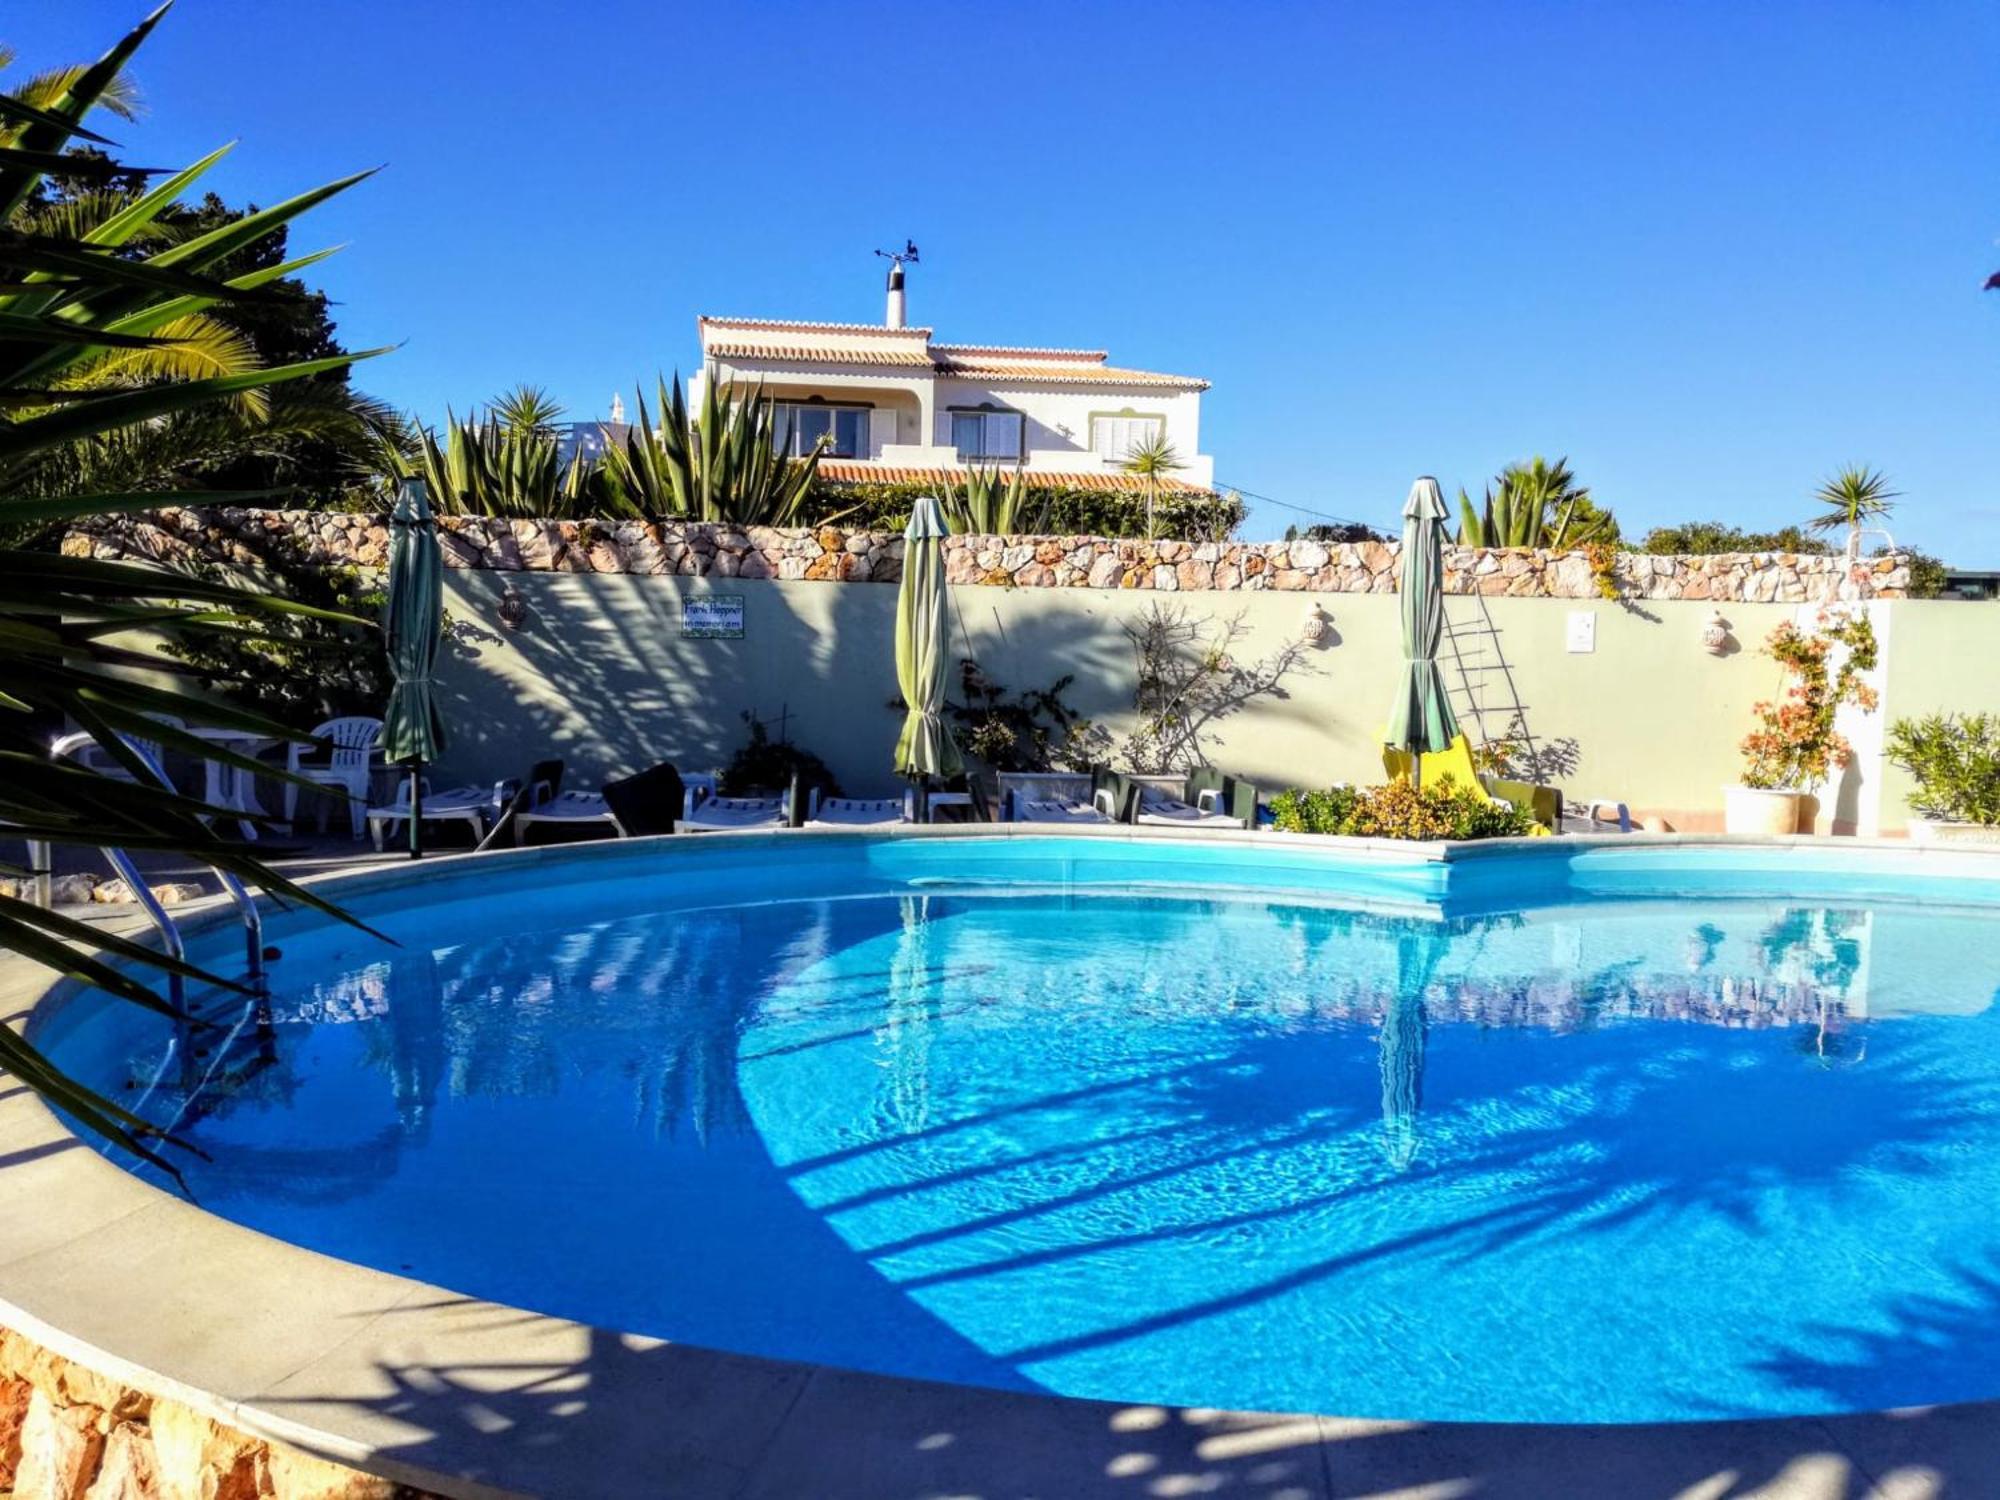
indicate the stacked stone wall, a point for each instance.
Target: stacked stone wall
{"x":829,"y":554}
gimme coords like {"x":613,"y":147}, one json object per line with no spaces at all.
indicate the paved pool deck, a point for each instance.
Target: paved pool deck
{"x":469,"y":1398}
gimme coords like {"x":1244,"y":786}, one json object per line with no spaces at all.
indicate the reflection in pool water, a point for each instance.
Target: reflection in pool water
{"x":1613,"y":1161}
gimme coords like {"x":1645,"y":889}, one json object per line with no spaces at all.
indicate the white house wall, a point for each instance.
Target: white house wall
{"x":912,"y":423}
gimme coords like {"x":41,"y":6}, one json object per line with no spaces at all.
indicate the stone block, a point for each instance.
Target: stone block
{"x":128,"y":1469}
{"x":73,"y":890}
{"x":1104,"y":571}
{"x":198,"y":1460}
{"x":60,"y":1449}
{"x":291,"y":1475}
{"x":15,"y":1394}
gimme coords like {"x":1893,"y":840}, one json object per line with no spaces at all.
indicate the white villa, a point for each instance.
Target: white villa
{"x":900,"y":407}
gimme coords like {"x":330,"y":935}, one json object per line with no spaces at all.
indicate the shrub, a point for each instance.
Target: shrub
{"x":1036,"y":731}
{"x":1193,"y":516}
{"x":299,"y":669}
{"x":767,"y":765}
{"x":1400,"y":810}
{"x":1795,"y":746}
{"x":1955,"y":759}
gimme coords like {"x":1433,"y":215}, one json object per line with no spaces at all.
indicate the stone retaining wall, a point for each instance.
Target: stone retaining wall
{"x":705,"y":550}
{"x":68,"y":1433}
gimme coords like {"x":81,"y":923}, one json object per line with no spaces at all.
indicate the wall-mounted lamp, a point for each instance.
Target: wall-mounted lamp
{"x":1313,"y":629}
{"x":512,"y":609}
{"x":1715,"y":637}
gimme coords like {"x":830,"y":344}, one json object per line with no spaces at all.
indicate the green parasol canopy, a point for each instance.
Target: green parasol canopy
{"x":925,"y":748}
{"x":1421,"y":719}
{"x":412,"y":622}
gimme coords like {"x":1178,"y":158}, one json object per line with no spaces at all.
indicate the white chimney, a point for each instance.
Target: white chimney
{"x":895,"y":315}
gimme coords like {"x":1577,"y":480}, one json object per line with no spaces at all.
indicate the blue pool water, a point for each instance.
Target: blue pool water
{"x":1611,"y":1141}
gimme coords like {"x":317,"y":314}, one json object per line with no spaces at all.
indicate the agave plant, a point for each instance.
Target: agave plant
{"x":721,"y":465}
{"x":988,"y":505}
{"x":1536,"y":504}
{"x":488,"y":468}
{"x":73,"y":304}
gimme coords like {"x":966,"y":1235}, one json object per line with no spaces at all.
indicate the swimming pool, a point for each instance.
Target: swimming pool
{"x":1557,"y":1135}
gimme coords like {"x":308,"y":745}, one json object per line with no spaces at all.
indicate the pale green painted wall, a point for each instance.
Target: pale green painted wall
{"x":601,"y":677}
{"x":1940,"y":656}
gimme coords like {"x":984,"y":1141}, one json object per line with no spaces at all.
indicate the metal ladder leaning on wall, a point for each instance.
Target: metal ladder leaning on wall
{"x":1484,"y":696}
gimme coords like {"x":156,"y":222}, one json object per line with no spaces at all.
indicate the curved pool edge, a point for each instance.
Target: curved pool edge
{"x":420,"y":1385}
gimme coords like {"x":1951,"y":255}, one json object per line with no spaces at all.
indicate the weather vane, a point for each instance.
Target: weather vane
{"x":907,"y":256}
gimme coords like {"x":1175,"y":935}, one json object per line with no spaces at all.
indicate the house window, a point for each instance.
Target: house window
{"x":1114,"y":438}
{"x":987,"y":434}
{"x":797,"y":426}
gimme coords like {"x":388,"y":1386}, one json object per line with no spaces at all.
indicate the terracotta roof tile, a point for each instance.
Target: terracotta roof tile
{"x":782,"y":325}
{"x":823,"y":354}
{"x":1022,"y":351}
{"x":851,"y":471}
{"x":988,"y":369}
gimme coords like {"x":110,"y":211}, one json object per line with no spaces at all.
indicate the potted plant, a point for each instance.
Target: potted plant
{"x":1955,"y":760}
{"x":1795,"y":749}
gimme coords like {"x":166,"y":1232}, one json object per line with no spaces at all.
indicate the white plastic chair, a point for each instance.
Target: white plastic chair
{"x":82,"y":748}
{"x":464,"y":804}
{"x":355,"y":742}
{"x":860,"y":812}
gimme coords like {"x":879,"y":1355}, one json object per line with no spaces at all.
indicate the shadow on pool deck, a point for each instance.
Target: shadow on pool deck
{"x":627,"y":1421}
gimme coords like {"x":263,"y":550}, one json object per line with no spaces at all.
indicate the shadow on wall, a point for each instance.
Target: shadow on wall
{"x":600,"y":674}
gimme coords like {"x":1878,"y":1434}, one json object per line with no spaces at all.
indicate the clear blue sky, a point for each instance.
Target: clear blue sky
{"x":1709,"y":251}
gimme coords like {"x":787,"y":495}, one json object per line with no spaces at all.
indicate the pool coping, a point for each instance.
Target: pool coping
{"x":423,"y":1386}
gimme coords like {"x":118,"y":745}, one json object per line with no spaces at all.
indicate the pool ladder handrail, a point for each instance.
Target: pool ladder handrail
{"x":164,"y":924}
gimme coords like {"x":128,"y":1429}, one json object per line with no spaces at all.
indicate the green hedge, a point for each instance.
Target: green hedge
{"x":1201,"y":517}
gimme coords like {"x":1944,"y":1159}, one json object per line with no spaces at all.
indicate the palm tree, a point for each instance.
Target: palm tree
{"x":1153,"y":460}
{"x":94,"y":352}
{"x":1853,"y":497}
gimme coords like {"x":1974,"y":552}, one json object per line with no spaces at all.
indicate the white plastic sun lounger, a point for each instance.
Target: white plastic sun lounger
{"x":463,"y":804}
{"x":570,"y":809}
{"x":860,"y":812}
{"x":729,"y":814}
{"x":1057,"y":810}
{"x":1158,"y":808}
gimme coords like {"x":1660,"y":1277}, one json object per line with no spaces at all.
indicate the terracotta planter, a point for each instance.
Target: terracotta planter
{"x":1933,"y":831}
{"x":1756,"y":809}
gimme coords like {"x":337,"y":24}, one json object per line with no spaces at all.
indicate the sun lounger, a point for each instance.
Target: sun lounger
{"x":1158,"y":807}
{"x":1020,"y":787}
{"x":859,"y":812}
{"x":733,"y":814}
{"x":568,"y":810}
{"x":648,"y":803}
{"x":1057,"y":810}
{"x":461,"y":804}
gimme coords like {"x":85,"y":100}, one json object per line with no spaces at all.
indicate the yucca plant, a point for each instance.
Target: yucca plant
{"x":1852,"y":499}
{"x":1153,"y":461}
{"x":989,"y":505}
{"x":723,"y":464}
{"x":1535,"y":504}
{"x":72,"y":303}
